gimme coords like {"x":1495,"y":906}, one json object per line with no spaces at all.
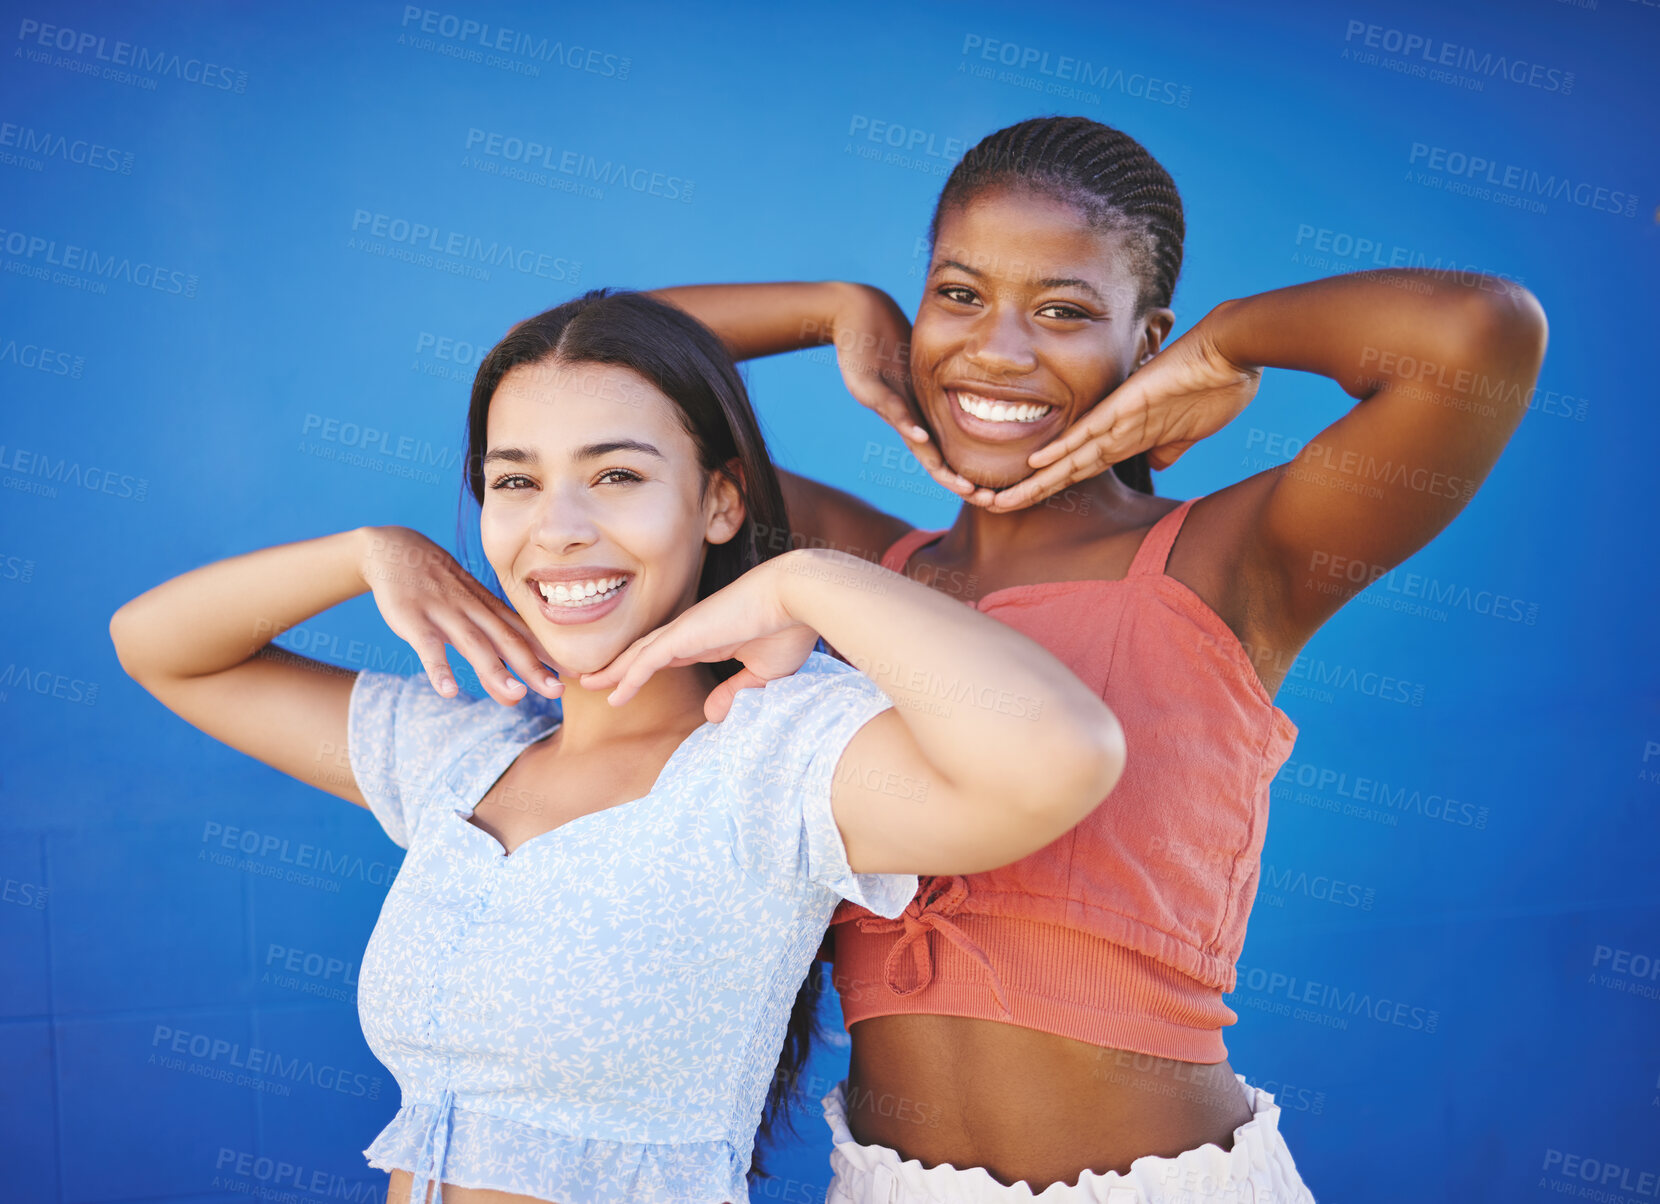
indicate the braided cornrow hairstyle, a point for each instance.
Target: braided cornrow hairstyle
{"x":1107,"y":175}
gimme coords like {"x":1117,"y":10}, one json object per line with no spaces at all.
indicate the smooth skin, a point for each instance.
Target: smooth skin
{"x":576,"y":478}
{"x":1024,"y":302}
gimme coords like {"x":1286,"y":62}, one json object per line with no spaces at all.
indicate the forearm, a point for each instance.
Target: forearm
{"x":219,"y":615}
{"x":984,"y":703}
{"x":1369,"y":331}
{"x":754,"y":320}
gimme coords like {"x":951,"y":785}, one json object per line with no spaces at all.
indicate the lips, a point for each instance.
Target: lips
{"x":999,"y":417}
{"x":581,"y":592}
{"x":993,"y":409}
{"x":577,"y":594}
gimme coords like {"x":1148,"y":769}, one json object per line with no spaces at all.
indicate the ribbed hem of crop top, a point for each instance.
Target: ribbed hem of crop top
{"x":1132,"y":1002}
{"x":1126,"y":931}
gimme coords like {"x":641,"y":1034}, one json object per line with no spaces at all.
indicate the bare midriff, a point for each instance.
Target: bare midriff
{"x":1028,"y":1105}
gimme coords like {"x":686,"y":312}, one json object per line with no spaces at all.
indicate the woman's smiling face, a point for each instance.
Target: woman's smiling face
{"x":1027,"y":320}
{"x":595,"y":516}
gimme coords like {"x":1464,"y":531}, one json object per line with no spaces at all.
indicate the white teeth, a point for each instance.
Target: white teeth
{"x":1000,"y":411}
{"x":577,"y":593}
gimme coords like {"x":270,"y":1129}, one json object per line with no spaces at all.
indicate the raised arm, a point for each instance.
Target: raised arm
{"x":1443,"y":369}
{"x":999,"y":747}
{"x":871,"y":335}
{"x":201,"y":642}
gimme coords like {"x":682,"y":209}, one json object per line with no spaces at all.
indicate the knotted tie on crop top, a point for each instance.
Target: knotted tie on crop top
{"x":1125,"y":931}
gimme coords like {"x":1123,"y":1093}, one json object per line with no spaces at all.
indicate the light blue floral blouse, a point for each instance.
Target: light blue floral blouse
{"x":597,"y":1016}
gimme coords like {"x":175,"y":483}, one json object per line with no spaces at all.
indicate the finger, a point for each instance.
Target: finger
{"x":890,"y":405}
{"x":719,"y":703}
{"x":609,"y":675}
{"x":429,"y":650}
{"x":1161,"y":458}
{"x":1080,"y":465}
{"x":516,"y":650}
{"x":1097,"y":423}
{"x":951,"y":479}
{"x":478,"y":652}
{"x":653,"y":655}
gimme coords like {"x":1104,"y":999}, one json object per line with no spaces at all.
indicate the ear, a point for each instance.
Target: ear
{"x":1155,"y":328}
{"x":724,"y":506}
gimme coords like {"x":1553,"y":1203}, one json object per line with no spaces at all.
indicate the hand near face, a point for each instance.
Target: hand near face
{"x":872,"y":338}
{"x":1181,"y":395}
{"x":746,"y":621}
{"x":429,"y":600}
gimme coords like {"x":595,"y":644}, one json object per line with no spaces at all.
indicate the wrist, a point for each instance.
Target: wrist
{"x":803,"y":578}
{"x":374,"y":549}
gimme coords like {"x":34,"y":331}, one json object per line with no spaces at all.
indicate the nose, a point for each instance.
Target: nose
{"x":1000,"y":343}
{"x":564,"y":522}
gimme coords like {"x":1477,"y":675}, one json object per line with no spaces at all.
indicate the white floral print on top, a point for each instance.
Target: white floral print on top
{"x":596,"y":1017}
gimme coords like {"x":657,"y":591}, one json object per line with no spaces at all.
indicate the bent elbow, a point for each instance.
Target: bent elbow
{"x":1105,"y":767}
{"x":1504,"y":320}
{"x":1077,"y":784}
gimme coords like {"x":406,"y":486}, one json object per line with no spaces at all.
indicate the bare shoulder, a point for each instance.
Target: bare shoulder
{"x":1216,"y":555}
{"x":823,"y":516}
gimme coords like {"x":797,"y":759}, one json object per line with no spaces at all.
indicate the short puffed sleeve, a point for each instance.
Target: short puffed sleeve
{"x":401,"y":735}
{"x":782,"y":745}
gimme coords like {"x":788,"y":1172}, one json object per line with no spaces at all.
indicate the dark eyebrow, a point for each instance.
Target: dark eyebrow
{"x":591,"y":451}
{"x":1049,"y":282}
{"x":1070,"y":282}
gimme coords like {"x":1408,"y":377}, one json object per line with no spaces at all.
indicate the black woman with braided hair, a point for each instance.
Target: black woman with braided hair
{"x":1059,"y":1021}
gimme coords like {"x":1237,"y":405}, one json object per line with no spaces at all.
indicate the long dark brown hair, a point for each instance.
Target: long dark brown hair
{"x":683,"y":359}
{"x":1107,"y":175}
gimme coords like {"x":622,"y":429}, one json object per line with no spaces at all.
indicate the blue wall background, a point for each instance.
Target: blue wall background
{"x":1473,"y":1008}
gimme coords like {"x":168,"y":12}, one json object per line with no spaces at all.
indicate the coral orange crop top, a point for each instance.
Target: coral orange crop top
{"x":1125,"y":931}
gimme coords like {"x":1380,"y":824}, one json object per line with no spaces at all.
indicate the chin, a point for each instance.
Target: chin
{"x":990,"y":471}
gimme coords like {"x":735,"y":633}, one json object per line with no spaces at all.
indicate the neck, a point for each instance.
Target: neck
{"x":672,"y":701}
{"x":1084,"y":511}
